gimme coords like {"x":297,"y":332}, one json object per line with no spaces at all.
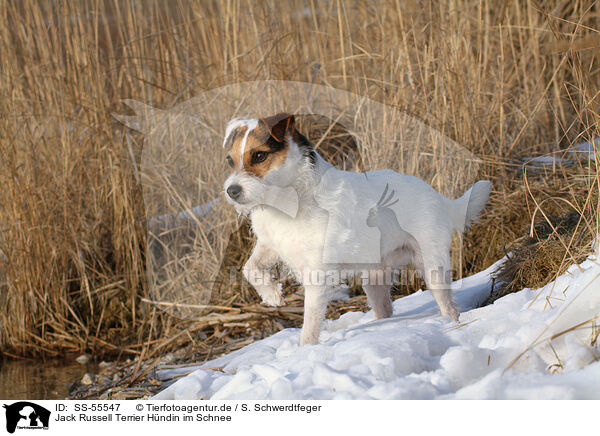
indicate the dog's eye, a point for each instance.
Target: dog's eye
{"x":229,"y":161}
{"x":259,"y":157}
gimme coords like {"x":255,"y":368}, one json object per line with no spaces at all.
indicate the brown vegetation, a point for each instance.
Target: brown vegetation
{"x":507,"y":80}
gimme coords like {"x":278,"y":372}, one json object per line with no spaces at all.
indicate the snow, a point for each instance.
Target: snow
{"x":587,"y":149}
{"x":579,"y":152}
{"x":545,"y":161}
{"x":533,"y":344}
{"x":171,"y":220}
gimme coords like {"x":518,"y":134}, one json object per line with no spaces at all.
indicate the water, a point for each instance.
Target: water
{"x":39,"y":380}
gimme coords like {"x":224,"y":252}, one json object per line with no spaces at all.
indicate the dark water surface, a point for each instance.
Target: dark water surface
{"x":38,"y":379}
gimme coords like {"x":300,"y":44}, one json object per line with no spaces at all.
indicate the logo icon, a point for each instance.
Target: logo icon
{"x":26,"y":415}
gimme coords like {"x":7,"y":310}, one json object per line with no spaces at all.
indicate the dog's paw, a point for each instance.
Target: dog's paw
{"x":271,"y":295}
{"x":308,"y":337}
{"x":451,"y":311}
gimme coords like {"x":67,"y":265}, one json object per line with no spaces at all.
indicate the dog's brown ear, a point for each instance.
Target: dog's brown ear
{"x":278,"y":125}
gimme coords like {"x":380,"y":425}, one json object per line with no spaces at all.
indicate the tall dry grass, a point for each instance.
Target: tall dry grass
{"x":505,"y":79}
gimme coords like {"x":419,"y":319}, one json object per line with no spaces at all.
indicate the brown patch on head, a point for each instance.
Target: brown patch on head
{"x":234,"y":142}
{"x":264,"y":148}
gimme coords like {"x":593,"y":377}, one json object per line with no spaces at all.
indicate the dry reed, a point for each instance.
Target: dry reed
{"x":505,"y":80}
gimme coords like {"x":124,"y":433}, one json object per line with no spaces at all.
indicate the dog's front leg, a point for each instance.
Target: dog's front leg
{"x":315,"y":305}
{"x":257,"y":272}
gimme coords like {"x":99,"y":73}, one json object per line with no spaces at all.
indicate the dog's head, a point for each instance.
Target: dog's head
{"x":265,"y":154}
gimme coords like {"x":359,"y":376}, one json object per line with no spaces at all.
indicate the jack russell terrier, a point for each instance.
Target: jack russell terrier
{"x":344,"y":221}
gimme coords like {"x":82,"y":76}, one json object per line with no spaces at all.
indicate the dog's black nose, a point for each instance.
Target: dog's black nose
{"x":234,"y":191}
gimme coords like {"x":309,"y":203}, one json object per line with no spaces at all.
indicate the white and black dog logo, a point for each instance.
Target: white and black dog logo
{"x":26,"y":415}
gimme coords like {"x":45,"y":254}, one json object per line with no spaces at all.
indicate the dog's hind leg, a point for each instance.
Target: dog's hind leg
{"x":315,"y":305}
{"x":443,"y":297}
{"x":379,"y":300}
{"x":437,"y":273}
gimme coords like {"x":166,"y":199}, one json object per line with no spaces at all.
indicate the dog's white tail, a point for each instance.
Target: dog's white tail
{"x":465,"y":210}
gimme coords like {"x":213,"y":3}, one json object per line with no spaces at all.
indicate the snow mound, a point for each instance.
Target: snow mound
{"x":533,"y":344}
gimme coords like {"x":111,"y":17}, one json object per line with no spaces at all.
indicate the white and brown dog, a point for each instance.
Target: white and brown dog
{"x":343,"y":222}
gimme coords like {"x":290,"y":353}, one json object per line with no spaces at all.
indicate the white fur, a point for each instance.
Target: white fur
{"x":342,"y":225}
{"x":237,"y":123}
